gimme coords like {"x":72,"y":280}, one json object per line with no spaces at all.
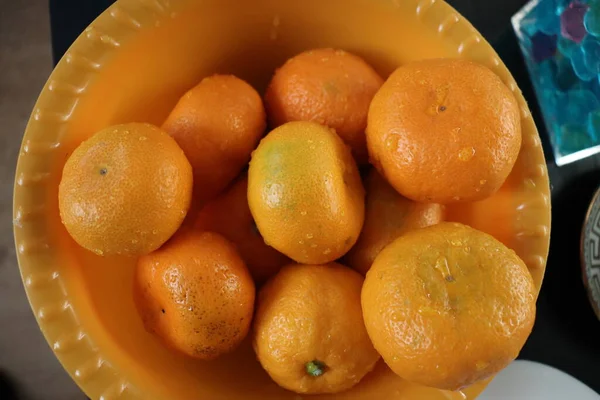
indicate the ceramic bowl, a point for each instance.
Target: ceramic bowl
{"x":132,"y":64}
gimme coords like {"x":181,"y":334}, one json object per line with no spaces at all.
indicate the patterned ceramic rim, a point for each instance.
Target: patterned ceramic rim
{"x":36,"y":250}
{"x":590,"y":253}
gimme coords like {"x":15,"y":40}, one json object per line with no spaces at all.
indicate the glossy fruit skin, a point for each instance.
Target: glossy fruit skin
{"x":217,"y":124}
{"x":328,"y":86}
{"x":125,"y":190}
{"x":195,"y":294}
{"x":388,"y":215}
{"x":229,"y":215}
{"x":447,"y":306}
{"x":305,"y":193}
{"x":444,"y":130}
{"x":299,"y":320}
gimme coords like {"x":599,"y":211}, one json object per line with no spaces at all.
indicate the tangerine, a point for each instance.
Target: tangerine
{"x":448,"y":305}
{"x":305,"y":193}
{"x":444,"y":131}
{"x":195,"y":294}
{"x":217,"y":124}
{"x":328,"y":86}
{"x":229,"y":215}
{"x":388,"y":215}
{"x":125,"y":190}
{"x":301,"y":337}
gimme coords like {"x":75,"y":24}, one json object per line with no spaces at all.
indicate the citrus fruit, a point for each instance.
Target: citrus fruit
{"x":305,"y":193}
{"x":125,"y":190}
{"x":308,"y":330}
{"x":229,"y":215}
{"x":331,"y":87}
{"x":217,"y":124}
{"x":448,"y":305}
{"x":444,"y":131}
{"x":196,"y":294}
{"x":387,"y":216}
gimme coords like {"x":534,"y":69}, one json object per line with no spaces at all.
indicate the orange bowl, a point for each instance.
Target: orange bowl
{"x":132,"y":64}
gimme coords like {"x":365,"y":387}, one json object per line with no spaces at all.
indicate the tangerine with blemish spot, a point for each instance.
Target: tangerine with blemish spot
{"x":447,"y":305}
{"x":195,"y":294}
{"x":305,"y":192}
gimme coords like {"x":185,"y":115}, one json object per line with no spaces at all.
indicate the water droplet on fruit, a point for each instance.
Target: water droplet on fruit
{"x":142,"y":138}
{"x":300,"y":241}
{"x":482,"y":182}
{"x":326,"y":251}
{"x":309,"y":236}
{"x":456,"y":242}
{"x":391,"y":143}
{"x":313,"y":245}
{"x":154,"y":231}
{"x":99,"y":252}
{"x":441,"y":264}
{"x":303,"y":213}
{"x":466,"y":153}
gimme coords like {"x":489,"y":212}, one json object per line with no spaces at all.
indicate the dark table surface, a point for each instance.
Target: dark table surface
{"x":566,"y":334}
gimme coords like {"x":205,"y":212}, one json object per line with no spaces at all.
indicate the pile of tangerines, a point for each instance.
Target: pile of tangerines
{"x":443,"y":304}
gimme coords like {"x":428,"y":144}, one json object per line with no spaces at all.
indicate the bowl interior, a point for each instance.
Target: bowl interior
{"x":132,"y":64}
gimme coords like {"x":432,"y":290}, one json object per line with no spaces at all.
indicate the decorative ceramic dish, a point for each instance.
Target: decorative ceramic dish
{"x":590,"y":253}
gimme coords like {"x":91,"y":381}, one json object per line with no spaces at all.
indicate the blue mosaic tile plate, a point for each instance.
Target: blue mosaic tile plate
{"x":560,"y":41}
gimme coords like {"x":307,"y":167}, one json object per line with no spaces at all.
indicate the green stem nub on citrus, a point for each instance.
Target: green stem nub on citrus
{"x":315,"y":368}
